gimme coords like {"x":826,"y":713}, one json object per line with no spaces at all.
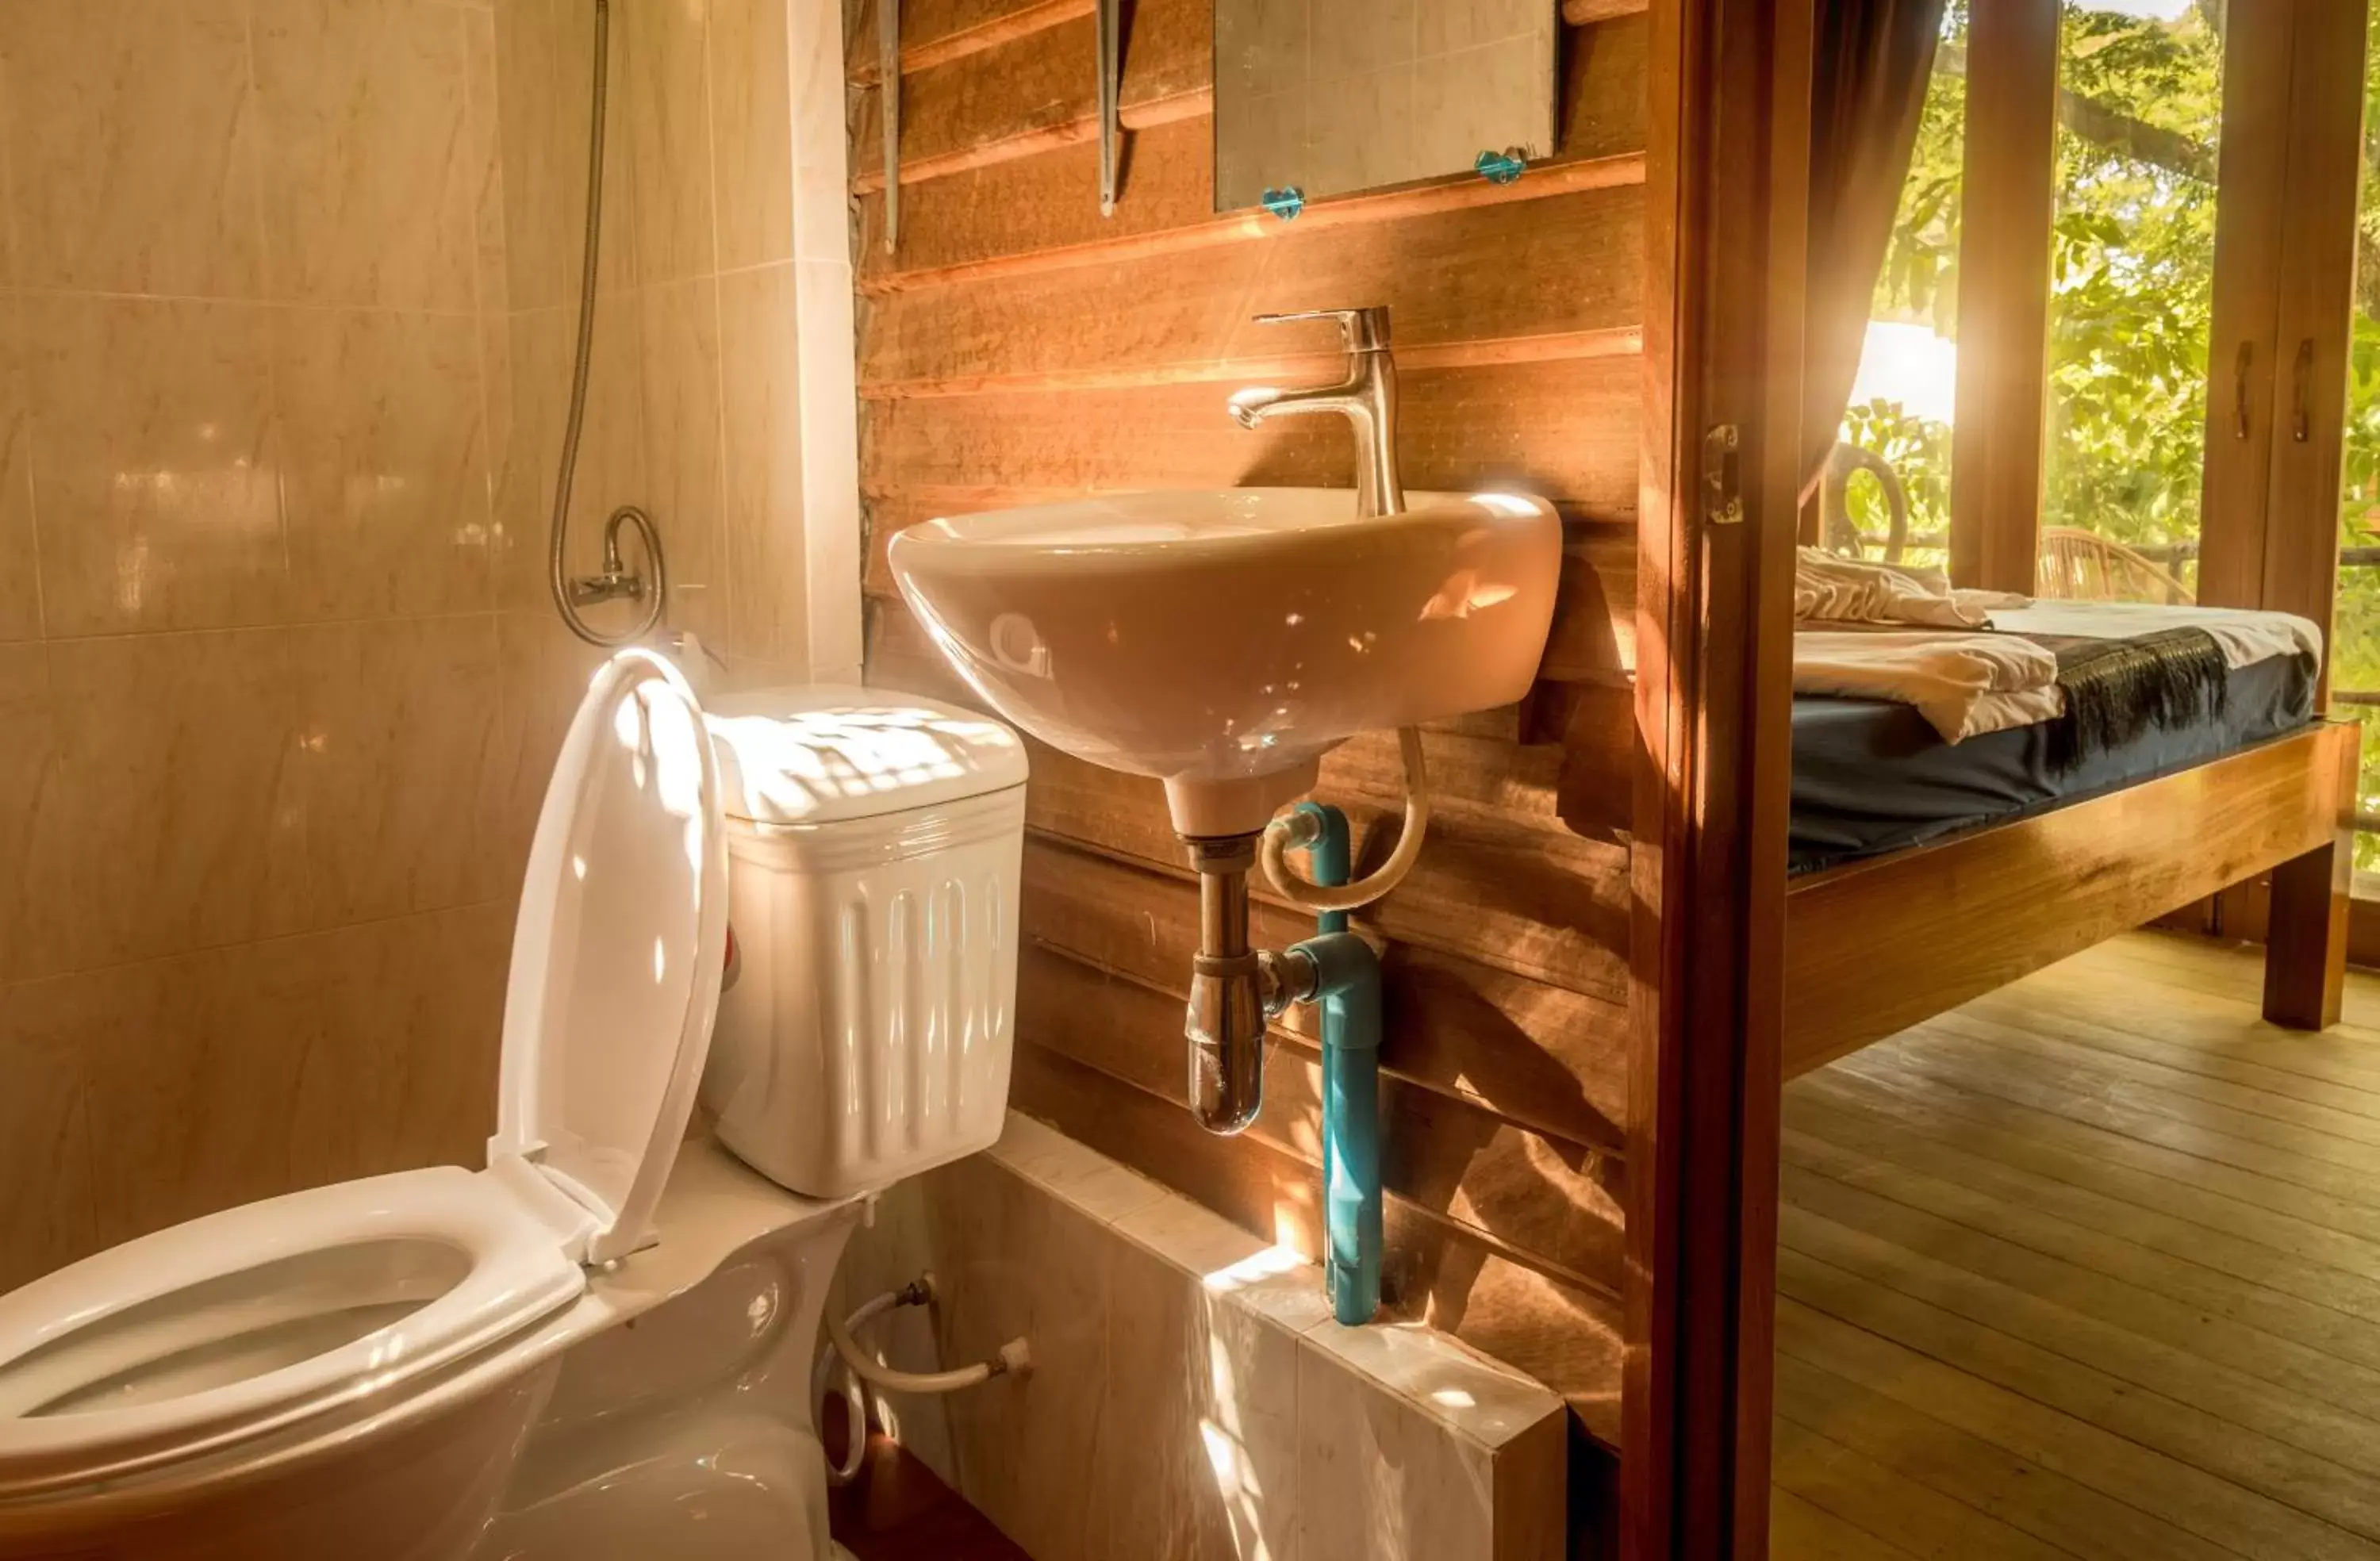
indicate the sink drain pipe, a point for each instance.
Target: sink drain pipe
{"x":1235,"y":988}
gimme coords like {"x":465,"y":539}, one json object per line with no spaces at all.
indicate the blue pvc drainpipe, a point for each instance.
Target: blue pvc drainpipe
{"x":1349,"y":989}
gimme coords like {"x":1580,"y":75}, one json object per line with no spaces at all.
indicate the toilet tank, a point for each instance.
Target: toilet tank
{"x":874,"y":842}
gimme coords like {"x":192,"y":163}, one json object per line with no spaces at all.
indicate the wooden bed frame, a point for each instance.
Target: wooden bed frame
{"x":1872,"y":948}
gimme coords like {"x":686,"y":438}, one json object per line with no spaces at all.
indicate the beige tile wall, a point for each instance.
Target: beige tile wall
{"x":283,"y":344}
{"x":1191,"y":1398}
{"x":693,"y":411}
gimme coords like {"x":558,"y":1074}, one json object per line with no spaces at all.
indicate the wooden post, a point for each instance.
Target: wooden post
{"x":2305,"y":957}
{"x":1726,"y":243}
{"x":2305,"y":931}
{"x":2009,"y":199}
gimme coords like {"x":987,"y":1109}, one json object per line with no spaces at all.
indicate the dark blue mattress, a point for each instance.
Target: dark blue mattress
{"x":1871,"y":777}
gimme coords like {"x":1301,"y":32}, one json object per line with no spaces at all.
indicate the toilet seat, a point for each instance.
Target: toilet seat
{"x":230,"y":1327}
{"x":463,"y":1269}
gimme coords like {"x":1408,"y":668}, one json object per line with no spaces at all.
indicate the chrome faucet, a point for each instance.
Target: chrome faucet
{"x":1367,"y":398}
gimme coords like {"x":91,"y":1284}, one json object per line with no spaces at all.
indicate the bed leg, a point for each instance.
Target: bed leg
{"x":2305,"y":938}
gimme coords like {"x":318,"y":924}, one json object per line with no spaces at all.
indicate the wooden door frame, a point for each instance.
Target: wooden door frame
{"x":1726,"y":249}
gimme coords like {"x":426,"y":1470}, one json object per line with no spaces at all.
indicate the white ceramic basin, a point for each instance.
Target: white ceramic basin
{"x":1223,"y":641}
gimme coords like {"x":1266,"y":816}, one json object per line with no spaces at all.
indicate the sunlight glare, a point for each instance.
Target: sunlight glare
{"x":1269,"y":1264}
{"x":1909,"y":363}
{"x":799,"y":764}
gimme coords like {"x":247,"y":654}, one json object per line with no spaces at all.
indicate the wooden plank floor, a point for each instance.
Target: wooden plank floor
{"x":2087,"y":1269}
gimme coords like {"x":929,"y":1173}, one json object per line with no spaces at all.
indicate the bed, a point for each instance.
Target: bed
{"x":1926,"y":873}
{"x":1871,"y":777}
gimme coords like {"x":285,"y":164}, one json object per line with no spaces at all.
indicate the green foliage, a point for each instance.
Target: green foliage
{"x":2132,"y":278}
{"x":2131,"y":274}
{"x":2355,"y":651}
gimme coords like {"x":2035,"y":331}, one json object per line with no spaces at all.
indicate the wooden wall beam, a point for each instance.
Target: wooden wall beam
{"x":2009,"y":196}
{"x":1551,"y":346}
{"x":937,"y":34}
{"x":1200,"y":229}
{"x":1007,"y":179}
{"x":1039,"y":92}
{"x":1543,"y":1203}
{"x":1549,"y":1060}
{"x":1566,"y":283}
{"x":1563,"y":429}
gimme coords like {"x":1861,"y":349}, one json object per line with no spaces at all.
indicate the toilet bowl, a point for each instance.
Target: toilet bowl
{"x":437,"y":1365}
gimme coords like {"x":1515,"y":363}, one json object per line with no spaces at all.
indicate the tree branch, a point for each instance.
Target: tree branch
{"x":2144,"y":142}
{"x":2107,"y":126}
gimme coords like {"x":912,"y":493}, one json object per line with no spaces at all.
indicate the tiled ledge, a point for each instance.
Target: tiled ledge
{"x":1192,"y":1396}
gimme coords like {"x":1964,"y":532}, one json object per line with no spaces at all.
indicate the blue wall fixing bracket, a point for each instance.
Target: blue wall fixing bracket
{"x":1285,"y":203}
{"x":1348,"y":986}
{"x":1500,"y":167}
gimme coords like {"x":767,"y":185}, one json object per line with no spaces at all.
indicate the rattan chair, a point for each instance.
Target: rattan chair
{"x":2084,"y":566}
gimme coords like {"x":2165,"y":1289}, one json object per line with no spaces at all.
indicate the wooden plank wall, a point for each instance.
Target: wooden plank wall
{"x":1017,"y":347}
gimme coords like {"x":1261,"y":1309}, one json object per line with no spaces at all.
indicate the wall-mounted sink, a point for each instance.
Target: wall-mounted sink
{"x":1223,"y":641}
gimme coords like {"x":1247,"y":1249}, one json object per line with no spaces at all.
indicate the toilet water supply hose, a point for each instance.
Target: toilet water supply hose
{"x":1014,"y":1358}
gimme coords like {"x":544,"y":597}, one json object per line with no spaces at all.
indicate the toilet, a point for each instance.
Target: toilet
{"x":600,"y":1344}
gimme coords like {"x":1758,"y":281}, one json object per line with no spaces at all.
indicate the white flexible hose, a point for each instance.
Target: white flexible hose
{"x":1371,"y":887}
{"x":1013,"y":1356}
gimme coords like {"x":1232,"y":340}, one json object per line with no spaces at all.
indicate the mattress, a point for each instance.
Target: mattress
{"x":1871,"y":777}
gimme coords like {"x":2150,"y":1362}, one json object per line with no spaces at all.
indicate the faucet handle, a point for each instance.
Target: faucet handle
{"x":1363,"y":330}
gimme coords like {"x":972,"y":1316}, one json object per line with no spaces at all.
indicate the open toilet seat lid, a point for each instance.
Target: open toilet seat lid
{"x":618,"y":953}
{"x":617,"y":967}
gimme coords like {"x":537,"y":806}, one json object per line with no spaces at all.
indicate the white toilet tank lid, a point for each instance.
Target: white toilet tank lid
{"x":823,"y":753}
{"x":617,"y":953}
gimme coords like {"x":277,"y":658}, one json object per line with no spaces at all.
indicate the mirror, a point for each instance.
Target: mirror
{"x":1328,"y":96}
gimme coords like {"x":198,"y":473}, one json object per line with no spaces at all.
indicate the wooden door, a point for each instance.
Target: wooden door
{"x":2284,"y":531}
{"x":2244,"y":352}
{"x":2315,"y":307}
